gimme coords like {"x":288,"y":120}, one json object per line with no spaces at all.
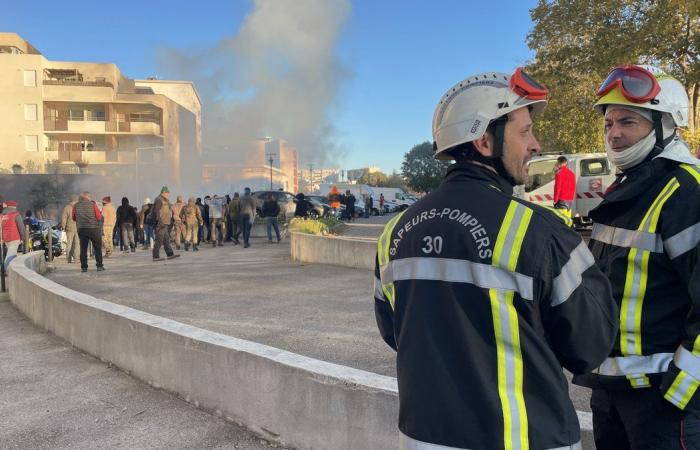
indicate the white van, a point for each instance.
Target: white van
{"x":594,"y":174}
{"x":393,"y":195}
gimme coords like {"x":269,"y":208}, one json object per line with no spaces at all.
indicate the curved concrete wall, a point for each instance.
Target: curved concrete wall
{"x":289,"y":398}
{"x":339,"y":251}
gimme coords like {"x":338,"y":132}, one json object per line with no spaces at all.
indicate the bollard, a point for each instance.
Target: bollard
{"x":50,"y":242}
{"x":26,"y":239}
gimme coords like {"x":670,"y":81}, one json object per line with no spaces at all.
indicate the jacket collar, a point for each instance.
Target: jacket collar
{"x":469,"y":171}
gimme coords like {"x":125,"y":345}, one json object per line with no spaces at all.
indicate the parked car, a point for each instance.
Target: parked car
{"x":320,"y":209}
{"x":285,"y":200}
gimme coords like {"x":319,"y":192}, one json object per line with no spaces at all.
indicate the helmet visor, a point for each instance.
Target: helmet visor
{"x":525,"y":86}
{"x":636,"y":84}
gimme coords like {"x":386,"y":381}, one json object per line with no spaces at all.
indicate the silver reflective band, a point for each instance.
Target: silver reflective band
{"x":408,"y":443}
{"x":457,"y":271}
{"x":378,"y":291}
{"x":687,"y":362}
{"x":631,"y":365}
{"x":571,"y":274}
{"x":623,"y":237}
{"x":683,"y":242}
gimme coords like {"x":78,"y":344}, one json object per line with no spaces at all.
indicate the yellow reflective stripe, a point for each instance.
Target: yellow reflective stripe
{"x":383,"y":245}
{"x":503,"y":232}
{"x":692,"y":170}
{"x":636,"y":280}
{"x":696,"y":346}
{"x":519,"y":238}
{"x":656,"y":208}
{"x":682,"y":390}
{"x":507,"y":332}
{"x":562,"y":214}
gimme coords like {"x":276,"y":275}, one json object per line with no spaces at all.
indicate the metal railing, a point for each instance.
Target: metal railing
{"x":93,"y":83}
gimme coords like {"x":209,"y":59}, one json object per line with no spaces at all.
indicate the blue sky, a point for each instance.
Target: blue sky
{"x":400,"y":55}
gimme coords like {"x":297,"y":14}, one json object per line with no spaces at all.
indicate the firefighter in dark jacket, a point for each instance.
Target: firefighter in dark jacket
{"x":645,"y":239}
{"x":485,"y":297}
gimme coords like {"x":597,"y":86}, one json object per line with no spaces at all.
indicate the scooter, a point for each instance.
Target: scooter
{"x":39,"y":239}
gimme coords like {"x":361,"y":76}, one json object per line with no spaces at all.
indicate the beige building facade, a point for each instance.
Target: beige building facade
{"x":64,"y":117}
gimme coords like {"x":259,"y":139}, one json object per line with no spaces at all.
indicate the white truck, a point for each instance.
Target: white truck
{"x":594,"y":174}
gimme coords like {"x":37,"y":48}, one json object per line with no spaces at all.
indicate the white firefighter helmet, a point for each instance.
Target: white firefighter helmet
{"x":466,"y":110}
{"x":671,"y":98}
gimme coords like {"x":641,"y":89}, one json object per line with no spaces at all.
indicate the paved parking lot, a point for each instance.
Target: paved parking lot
{"x":324,"y":312}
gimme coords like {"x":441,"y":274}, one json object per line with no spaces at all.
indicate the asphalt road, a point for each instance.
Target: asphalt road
{"x":53,"y":396}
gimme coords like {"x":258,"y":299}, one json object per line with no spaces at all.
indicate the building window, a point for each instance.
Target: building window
{"x":30,"y":78}
{"x":30,"y":112}
{"x":76,"y":114}
{"x":31,"y":143}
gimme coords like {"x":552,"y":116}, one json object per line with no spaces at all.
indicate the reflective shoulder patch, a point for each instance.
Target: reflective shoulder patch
{"x":683,"y":242}
{"x":571,"y":274}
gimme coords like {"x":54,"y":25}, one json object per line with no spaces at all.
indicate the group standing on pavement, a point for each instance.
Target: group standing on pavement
{"x":99,"y":226}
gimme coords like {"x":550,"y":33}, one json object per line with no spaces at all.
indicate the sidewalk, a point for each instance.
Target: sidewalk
{"x":55,"y":397}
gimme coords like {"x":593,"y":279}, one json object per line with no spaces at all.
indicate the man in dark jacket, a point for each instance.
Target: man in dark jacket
{"x":234,"y":213}
{"x":247,"y":215}
{"x":126,"y":224}
{"x":646,"y":239}
{"x":484,"y":296}
{"x":349,"y":205}
{"x":163,"y":214}
{"x":302,"y":206}
{"x":270,"y":211}
{"x":88,"y":220}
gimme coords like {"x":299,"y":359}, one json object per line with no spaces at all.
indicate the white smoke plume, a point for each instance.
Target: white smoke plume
{"x":279,"y":76}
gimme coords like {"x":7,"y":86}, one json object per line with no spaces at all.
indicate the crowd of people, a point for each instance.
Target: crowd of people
{"x":98,"y":228}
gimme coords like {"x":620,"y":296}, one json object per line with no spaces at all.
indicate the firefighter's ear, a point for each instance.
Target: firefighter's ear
{"x":484,"y":144}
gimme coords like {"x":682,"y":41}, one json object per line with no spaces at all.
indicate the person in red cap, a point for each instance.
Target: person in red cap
{"x":109,"y":213}
{"x":12,"y":230}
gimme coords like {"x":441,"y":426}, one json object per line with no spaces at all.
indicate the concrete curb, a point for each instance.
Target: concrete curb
{"x":288,"y":398}
{"x":339,"y":251}
{"x":292,"y":399}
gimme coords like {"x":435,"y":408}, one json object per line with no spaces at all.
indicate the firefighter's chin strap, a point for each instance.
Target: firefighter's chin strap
{"x":496,"y":160}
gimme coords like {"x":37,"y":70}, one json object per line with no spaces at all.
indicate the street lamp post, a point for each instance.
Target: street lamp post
{"x":271,"y":155}
{"x":138,"y":178}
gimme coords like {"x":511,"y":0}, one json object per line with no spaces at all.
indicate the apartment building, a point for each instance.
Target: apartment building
{"x":64,"y":117}
{"x":262,"y":162}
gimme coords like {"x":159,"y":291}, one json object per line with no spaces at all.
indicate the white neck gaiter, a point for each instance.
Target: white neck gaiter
{"x":633,"y":155}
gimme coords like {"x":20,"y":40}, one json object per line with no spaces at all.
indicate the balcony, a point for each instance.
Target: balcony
{"x":72,"y":77}
{"x":101,"y":127}
{"x":97,"y":82}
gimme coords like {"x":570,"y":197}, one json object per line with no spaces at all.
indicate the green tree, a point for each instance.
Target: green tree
{"x":422,"y":172}
{"x":395,"y":180}
{"x":44,"y":192}
{"x":576,"y":43}
{"x":373,"y":179}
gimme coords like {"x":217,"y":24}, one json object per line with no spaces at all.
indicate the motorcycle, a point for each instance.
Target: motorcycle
{"x":39,"y":238}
